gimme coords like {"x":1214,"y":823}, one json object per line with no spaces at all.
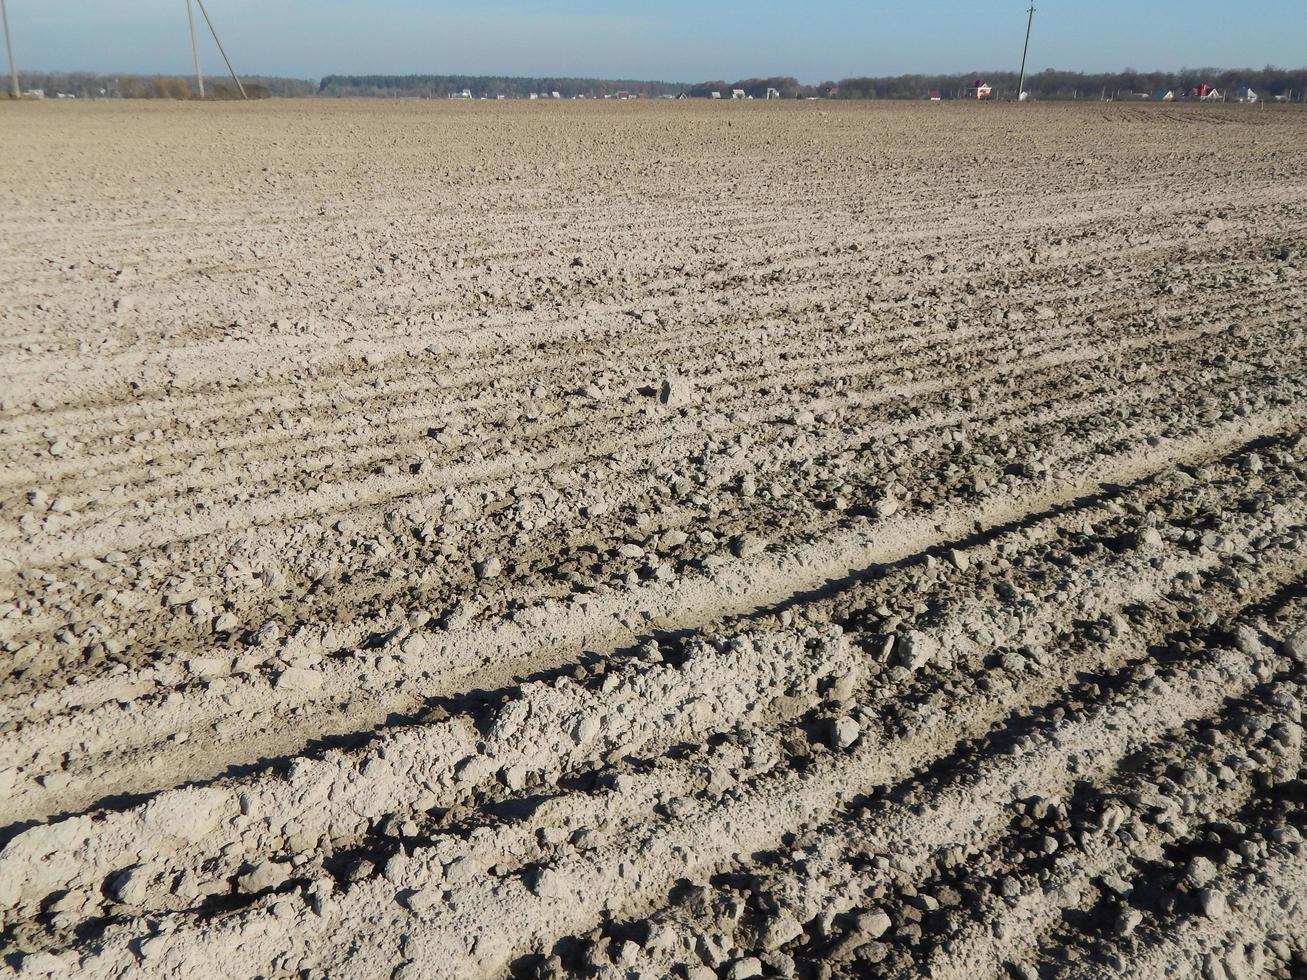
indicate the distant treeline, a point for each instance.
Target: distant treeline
{"x":88,"y":85}
{"x":1054,"y":84}
{"x":789,"y":88}
{"x":486,"y":86}
{"x":1049,"y":84}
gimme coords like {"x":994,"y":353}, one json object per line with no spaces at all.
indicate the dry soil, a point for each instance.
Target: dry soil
{"x":652,"y":540}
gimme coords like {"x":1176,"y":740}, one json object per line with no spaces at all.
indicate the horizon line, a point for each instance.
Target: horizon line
{"x":662,"y":81}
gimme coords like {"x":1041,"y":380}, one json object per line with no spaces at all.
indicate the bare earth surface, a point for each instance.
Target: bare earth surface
{"x":653,"y":540}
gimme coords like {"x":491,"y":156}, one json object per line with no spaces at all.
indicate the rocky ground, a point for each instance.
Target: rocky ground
{"x":645,"y":540}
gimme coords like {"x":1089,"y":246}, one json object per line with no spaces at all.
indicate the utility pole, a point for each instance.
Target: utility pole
{"x":1021,"y":85}
{"x":195,"y":48}
{"x":221,"y":51}
{"x":9,"y":47}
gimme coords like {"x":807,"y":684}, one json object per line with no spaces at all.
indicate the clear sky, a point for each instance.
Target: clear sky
{"x":671,"y":40}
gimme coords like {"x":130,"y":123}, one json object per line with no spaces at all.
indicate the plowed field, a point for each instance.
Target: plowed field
{"x":653,"y":540}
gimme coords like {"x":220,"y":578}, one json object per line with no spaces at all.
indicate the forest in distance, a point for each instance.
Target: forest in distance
{"x":1051,"y":83}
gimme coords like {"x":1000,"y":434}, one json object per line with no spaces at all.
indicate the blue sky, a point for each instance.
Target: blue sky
{"x":673,"y":40}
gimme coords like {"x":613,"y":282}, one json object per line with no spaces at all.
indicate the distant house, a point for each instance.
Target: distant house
{"x":1206,"y":92}
{"x":738,"y":93}
{"x":682,"y":97}
{"x":935,"y":97}
{"x":555,"y":95}
{"x":982,"y":88}
{"x":1164,"y":95}
{"x":715,"y":95}
{"x":1246,"y":95}
{"x":773,"y":93}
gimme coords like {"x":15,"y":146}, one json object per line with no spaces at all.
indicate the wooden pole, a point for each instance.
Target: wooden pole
{"x":1021,"y":85}
{"x":221,"y":51}
{"x":195,"y":48}
{"x":9,"y":49}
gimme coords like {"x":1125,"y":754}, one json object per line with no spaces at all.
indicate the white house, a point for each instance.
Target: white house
{"x":773,"y":94}
{"x":716,"y":95}
{"x":738,"y":93}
